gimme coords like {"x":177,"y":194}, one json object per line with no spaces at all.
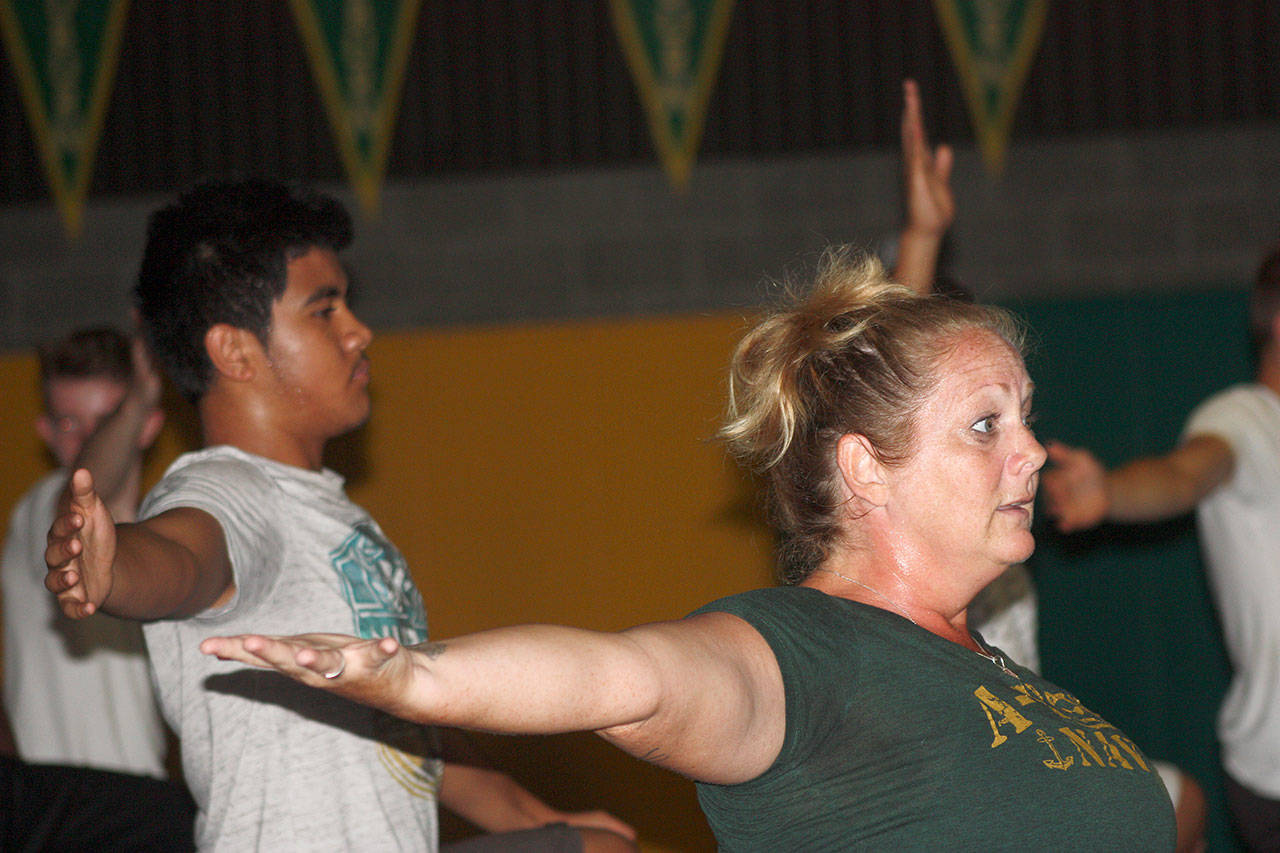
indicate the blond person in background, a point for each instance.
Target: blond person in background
{"x":78,"y":692}
{"x":851,"y":707}
{"x":86,"y":757}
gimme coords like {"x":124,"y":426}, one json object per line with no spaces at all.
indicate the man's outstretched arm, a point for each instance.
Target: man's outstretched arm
{"x":1080,"y":493}
{"x":169,"y":566}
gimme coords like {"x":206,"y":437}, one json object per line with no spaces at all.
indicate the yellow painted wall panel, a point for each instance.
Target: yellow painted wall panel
{"x":563,"y":473}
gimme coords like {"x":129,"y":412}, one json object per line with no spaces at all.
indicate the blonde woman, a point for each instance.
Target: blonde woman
{"x":851,"y":707}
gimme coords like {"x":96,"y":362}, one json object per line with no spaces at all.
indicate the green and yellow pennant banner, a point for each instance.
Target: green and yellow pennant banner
{"x":358,"y":51}
{"x":992,"y":43}
{"x":64,"y":56}
{"x":673,"y":48}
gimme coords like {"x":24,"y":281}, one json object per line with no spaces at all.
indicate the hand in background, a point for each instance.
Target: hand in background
{"x":930,"y":203}
{"x":926,"y":195}
{"x":1075,"y":488}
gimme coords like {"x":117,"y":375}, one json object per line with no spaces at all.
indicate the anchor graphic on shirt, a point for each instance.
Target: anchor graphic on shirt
{"x":1058,"y":762}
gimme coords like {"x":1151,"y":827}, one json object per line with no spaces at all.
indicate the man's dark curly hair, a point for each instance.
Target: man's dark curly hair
{"x":219,"y":254}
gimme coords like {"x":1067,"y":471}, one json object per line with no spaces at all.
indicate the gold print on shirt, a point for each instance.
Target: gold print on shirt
{"x":1005,"y":714}
{"x":1057,"y":762}
{"x":1131,"y":748}
{"x":1063,"y":704}
{"x":1096,"y":742}
{"x":1105,"y":750}
{"x":405,"y":751}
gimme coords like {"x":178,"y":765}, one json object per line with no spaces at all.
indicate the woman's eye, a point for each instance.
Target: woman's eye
{"x":1029,"y":420}
{"x":987,"y":424}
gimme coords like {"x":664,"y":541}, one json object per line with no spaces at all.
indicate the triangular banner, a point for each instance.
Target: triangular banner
{"x":673,"y":48}
{"x":64,"y":56}
{"x":358,"y":51}
{"x":992,"y":43}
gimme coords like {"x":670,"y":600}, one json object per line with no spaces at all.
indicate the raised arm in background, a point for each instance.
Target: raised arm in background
{"x":113,"y":453}
{"x":927,"y":197}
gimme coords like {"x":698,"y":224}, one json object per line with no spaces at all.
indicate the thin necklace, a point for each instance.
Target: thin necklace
{"x":895,"y":608}
{"x":997,"y":660}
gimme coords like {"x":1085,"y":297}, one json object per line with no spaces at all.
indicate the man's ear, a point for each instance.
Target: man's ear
{"x":232,"y":351}
{"x":862,"y":471}
{"x":151,"y":429}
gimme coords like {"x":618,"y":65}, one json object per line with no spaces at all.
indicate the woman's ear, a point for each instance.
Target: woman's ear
{"x":231,"y":351}
{"x":862,"y":471}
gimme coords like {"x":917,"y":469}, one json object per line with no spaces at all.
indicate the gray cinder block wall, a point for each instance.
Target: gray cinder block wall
{"x":1087,"y":215}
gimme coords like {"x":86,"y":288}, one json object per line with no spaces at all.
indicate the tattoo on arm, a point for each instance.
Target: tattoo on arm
{"x":654,"y":755}
{"x":431,"y":650}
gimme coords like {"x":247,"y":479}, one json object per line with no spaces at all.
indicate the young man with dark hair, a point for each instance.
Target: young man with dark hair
{"x":245,"y":303}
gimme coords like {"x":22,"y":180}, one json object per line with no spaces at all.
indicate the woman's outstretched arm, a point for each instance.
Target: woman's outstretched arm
{"x":702,"y":696}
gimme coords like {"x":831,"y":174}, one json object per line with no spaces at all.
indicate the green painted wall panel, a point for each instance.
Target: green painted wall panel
{"x":1127,"y":623}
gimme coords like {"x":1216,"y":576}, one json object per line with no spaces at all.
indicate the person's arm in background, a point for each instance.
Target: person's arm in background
{"x":1080,"y":493}
{"x":495,"y":802}
{"x":927,"y":197}
{"x":113,"y":454}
